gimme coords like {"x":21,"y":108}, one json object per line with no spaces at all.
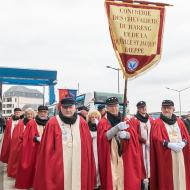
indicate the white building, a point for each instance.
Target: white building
{"x":20,"y":96}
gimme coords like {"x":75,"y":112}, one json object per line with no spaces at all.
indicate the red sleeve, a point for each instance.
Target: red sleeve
{"x":104,"y":155}
{"x":136,"y":125}
{"x":88,"y":171}
{"x":132,"y":160}
{"x":26,"y":168}
{"x":184,"y":131}
{"x":153,"y":160}
{"x":6,"y":142}
{"x":160,"y":158}
{"x":186,"y":150}
{"x":151,"y":121}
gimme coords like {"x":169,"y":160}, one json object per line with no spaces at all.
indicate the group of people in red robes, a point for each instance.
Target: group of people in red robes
{"x":106,"y":152}
{"x":20,"y":144}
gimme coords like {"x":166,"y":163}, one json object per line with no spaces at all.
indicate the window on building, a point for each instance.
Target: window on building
{"x":15,"y":99}
{"x":9,"y":99}
{"x":9,"y":105}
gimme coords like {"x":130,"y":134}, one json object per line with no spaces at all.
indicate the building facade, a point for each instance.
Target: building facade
{"x":21,"y":97}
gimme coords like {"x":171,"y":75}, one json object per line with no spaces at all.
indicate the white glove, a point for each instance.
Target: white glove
{"x":114,"y":130}
{"x":96,"y":121}
{"x":122,"y":125}
{"x":93,"y":134}
{"x":123,"y":135}
{"x":176,"y":147}
{"x":38,"y":139}
{"x":146,"y":183}
{"x":182,"y":144}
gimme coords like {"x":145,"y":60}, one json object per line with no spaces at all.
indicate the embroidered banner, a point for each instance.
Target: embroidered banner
{"x":136,"y":31}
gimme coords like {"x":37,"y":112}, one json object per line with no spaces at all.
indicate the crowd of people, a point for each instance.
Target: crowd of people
{"x":97,"y":149}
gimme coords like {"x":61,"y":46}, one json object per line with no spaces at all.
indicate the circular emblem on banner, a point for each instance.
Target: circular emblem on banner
{"x":132,"y":64}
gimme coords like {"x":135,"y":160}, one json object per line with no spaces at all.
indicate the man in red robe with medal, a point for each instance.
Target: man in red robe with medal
{"x":29,"y":151}
{"x":142,"y":123}
{"x":10,"y":125}
{"x":170,"y":151}
{"x":118,"y":151}
{"x":65,"y":160}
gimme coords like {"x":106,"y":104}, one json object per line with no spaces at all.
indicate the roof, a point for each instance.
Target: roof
{"x":22,"y":91}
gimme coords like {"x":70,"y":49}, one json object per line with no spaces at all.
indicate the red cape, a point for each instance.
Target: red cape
{"x":49,"y":172}
{"x":161,"y":159}
{"x":15,"y":147}
{"x":136,"y":124}
{"x":4,"y":157}
{"x":29,"y":152}
{"x":131,"y":158}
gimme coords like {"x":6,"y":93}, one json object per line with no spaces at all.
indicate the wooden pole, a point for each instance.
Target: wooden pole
{"x":125,"y":99}
{"x":126,"y":81}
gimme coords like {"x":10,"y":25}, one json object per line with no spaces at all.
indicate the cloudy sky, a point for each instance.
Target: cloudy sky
{"x":72,"y":37}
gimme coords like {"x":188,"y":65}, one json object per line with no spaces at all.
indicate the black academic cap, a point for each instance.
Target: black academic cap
{"x":42,"y":108}
{"x":101,"y":107}
{"x":141,"y":104}
{"x":82,"y":108}
{"x":68,"y":101}
{"x":17,"y":109}
{"x":167,"y":103}
{"x":112,"y":101}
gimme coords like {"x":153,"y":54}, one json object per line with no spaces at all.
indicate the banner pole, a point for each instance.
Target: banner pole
{"x":125,"y":99}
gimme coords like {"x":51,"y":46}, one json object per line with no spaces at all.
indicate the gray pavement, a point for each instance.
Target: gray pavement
{"x":6,"y":183}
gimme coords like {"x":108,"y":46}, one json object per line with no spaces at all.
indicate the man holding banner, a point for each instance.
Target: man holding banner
{"x":118,"y":151}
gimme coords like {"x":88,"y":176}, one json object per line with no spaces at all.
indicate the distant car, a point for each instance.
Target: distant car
{"x":92,"y":99}
{"x":155,"y":115}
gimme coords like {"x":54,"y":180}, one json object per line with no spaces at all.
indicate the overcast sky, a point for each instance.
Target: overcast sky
{"x":72,"y":37}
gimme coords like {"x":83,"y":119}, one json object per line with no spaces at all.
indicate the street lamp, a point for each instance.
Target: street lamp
{"x":43,"y":95}
{"x":116,"y":69}
{"x":179,"y":94}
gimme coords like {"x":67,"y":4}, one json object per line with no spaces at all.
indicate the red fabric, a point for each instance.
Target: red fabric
{"x":136,"y":124}
{"x":161,"y":159}
{"x":16,"y":144}
{"x":4,"y":157}
{"x":29,"y":152}
{"x":131,"y":158}
{"x":49,"y":173}
{"x":63,"y":93}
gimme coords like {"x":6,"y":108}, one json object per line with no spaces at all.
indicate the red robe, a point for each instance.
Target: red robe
{"x":161,"y":175}
{"x":136,"y":124}
{"x":15,"y":147}
{"x":50,"y":171}
{"x":29,"y":152}
{"x":131,"y":158}
{"x":6,"y":142}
